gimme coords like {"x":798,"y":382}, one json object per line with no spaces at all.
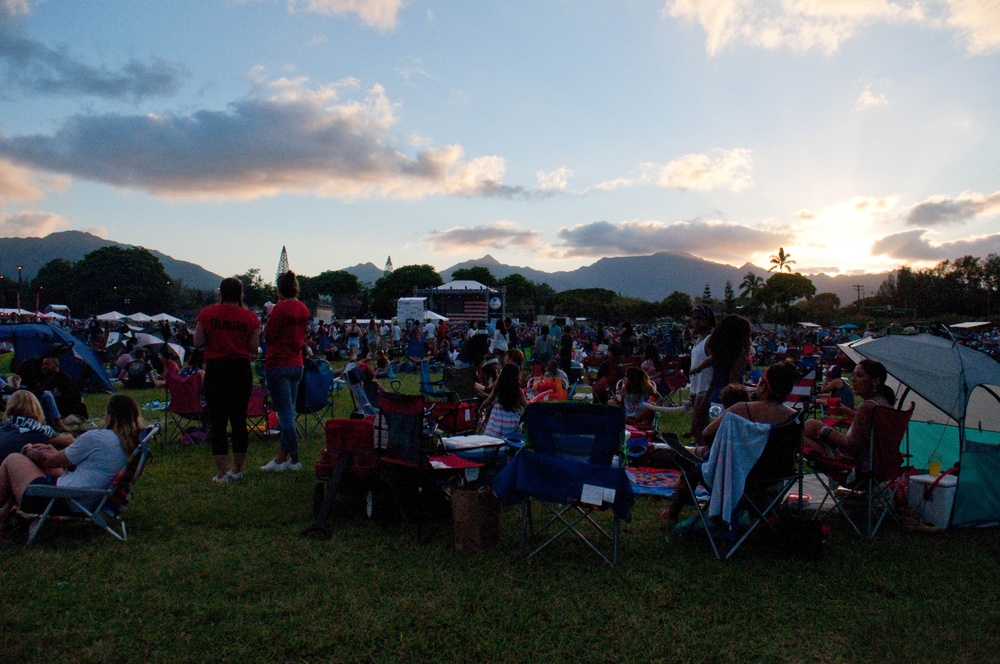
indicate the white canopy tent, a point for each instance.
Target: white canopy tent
{"x":110,"y":316}
{"x":138,"y":317}
{"x":165,"y":317}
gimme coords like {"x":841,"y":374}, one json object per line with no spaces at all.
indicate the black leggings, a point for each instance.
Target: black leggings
{"x":227,"y":393}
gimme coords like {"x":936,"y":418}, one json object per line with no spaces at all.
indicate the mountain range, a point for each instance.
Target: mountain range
{"x":650,"y":278}
{"x":31,"y":253}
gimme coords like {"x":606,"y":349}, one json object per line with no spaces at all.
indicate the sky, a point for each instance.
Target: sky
{"x":859,"y":135}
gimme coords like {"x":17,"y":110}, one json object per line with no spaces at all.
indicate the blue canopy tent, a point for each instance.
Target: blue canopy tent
{"x":956,"y":392}
{"x":75,"y":357}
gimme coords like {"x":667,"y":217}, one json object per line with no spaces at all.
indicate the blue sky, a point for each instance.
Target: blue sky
{"x":859,"y":135}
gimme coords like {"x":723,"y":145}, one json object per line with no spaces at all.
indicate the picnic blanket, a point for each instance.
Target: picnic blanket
{"x":657,"y":482}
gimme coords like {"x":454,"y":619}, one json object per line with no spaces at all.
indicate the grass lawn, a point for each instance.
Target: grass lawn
{"x":220,"y":573}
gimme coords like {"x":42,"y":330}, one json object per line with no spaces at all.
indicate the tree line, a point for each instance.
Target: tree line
{"x":133,"y":279}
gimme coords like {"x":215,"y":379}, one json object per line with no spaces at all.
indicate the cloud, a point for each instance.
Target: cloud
{"x":941,"y":210}
{"x":18,"y":184}
{"x":717,"y":240}
{"x":868,"y":99}
{"x":916,"y":246}
{"x":379,"y":14}
{"x":286,"y":136}
{"x":10,"y":8}
{"x":979,"y":22}
{"x":723,"y":169}
{"x":554,"y":180}
{"x":33,"y":67}
{"x":718,"y":169}
{"x":499,"y":235}
{"x":824,"y":25}
{"x":99,"y":231}
{"x":30,"y":223}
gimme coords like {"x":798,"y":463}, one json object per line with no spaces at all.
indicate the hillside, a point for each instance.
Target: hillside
{"x":31,"y":253}
{"x":655,"y":276}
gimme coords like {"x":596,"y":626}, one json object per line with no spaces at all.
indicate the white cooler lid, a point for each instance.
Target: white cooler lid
{"x":946,"y":481}
{"x":471,"y":442}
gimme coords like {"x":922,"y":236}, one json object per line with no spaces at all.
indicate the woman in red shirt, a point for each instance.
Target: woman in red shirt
{"x":230,"y":335}
{"x":285,"y":334}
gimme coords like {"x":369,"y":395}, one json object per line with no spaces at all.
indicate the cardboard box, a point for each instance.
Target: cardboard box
{"x":935,"y":508}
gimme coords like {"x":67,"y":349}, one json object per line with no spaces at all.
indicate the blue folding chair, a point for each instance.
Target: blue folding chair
{"x":573,"y":466}
{"x":314,"y":402}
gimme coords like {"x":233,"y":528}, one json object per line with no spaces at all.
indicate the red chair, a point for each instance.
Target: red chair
{"x":258,"y":411}
{"x":872,"y":478}
{"x":186,"y":405}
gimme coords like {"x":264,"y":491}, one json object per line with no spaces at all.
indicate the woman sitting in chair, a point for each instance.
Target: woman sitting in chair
{"x":773,"y":388}
{"x":24,"y":424}
{"x":869,"y":384}
{"x":97,"y":455}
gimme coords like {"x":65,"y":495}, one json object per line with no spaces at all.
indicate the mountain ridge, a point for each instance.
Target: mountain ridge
{"x":652,"y":277}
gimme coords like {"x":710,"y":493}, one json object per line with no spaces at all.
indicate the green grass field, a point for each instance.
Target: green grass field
{"x":220,"y":573}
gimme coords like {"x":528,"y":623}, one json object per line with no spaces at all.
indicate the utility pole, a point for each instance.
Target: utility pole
{"x":860,"y":289}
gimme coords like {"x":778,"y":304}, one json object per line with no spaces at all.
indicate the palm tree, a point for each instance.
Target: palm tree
{"x":751,"y":284}
{"x":782,"y":261}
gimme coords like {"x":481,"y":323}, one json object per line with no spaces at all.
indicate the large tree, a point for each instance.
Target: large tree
{"x":256,"y":292}
{"x":521,"y":295}
{"x":676,"y":305}
{"x":129,"y":279}
{"x":400,"y":283}
{"x":782,"y":289}
{"x":476,"y":273}
{"x":55,"y":283}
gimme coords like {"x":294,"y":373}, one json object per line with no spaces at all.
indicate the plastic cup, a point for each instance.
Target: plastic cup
{"x":934,"y":465}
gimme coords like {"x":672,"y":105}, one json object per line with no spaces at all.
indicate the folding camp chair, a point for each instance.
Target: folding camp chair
{"x":800,"y":398}
{"x":70,"y":503}
{"x":417,"y":473}
{"x":314,"y":402}
{"x":460,"y":382}
{"x":356,"y":384}
{"x":432,"y":389}
{"x":673,"y":384}
{"x":573,"y":470}
{"x":185,"y":405}
{"x":757,"y":495}
{"x":872,"y":479}
{"x":258,"y":411}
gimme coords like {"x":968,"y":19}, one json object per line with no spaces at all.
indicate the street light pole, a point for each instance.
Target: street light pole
{"x":18,"y":286}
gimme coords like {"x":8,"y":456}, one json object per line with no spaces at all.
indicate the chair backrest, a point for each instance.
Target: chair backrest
{"x":356,"y":383}
{"x":257,"y":406}
{"x":781,"y":452}
{"x":802,"y":391}
{"x":121,"y":486}
{"x":427,"y":386}
{"x":317,"y":382}
{"x":588,"y":432}
{"x":402,"y":416}
{"x":888,"y":430}
{"x":461,"y":381}
{"x":184,"y":394}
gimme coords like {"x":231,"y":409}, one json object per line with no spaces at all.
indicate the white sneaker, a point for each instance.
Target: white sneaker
{"x":223,"y":479}
{"x":273,"y":466}
{"x":234,"y":476}
{"x":293,"y":466}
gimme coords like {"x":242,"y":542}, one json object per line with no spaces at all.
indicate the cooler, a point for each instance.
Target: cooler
{"x":936,"y":507}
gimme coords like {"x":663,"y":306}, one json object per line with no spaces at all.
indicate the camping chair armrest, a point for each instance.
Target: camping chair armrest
{"x":43,"y":491}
